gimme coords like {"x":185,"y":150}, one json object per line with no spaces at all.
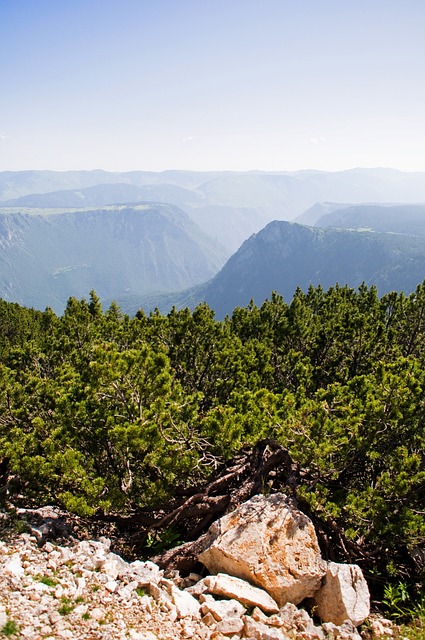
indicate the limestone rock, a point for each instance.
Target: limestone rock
{"x":346,"y":631}
{"x":114,"y":566}
{"x":144,"y":572}
{"x":382,"y":627}
{"x":230,"y":626}
{"x":221,"y":609}
{"x":269,"y":543}
{"x":231,"y":587}
{"x":186,"y":605}
{"x":343,"y":596}
{"x":14,"y":565}
{"x":260,"y":631}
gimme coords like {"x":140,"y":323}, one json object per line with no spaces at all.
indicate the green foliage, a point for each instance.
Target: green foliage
{"x":11,"y":628}
{"x":400,"y":604}
{"x":166,"y":539}
{"x":100,"y":412}
{"x":47,"y":580}
{"x":66,"y":606}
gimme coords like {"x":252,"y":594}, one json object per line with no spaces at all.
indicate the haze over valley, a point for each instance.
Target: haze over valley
{"x":145,"y":239}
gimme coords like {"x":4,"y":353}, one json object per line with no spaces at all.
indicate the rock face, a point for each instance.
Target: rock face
{"x":269,"y":543}
{"x":344,"y":595}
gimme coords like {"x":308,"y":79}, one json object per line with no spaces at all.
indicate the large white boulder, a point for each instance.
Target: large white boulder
{"x":343,"y":596}
{"x":269,"y":543}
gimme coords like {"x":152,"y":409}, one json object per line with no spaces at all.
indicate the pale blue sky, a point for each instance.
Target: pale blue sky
{"x":212,"y":84}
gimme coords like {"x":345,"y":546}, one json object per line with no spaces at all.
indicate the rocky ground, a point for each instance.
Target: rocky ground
{"x":82,"y":590}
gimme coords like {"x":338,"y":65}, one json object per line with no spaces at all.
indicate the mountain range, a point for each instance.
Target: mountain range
{"x":157,"y":239}
{"x":228,"y":206}
{"x":285,"y":255}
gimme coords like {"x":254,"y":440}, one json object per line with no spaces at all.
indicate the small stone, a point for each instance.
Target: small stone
{"x":58,"y":591}
{"x":14,"y":566}
{"x":186,"y":605}
{"x":114,"y":566}
{"x":111,"y":586}
{"x":221,"y":609}
{"x":209,"y":619}
{"x":260,"y":631}
{"x":230,"y":626}
{"x":54,"y":617}
{"x":124,"y":593}
{"x":80,"y":610}
{"x":97,"y":614}
{"x":65,"y":633}
{"x":259,"y":616}
{"x":382,"y":627}
{"x":145,"y":573}
{"x":188,"y":630}
{"x":145,"y":603}
{"x":46,"y":630}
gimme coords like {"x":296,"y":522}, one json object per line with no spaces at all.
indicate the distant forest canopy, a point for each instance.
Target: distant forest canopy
{"x":102,"y":413}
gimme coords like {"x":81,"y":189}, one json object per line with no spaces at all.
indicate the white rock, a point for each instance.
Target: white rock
{"x":221,"y":609}
{"x":54,"y":617}
{"x":382,"y":627}
{"x":260,"y":631}
{"x":145,"y":572}
{"x":13,"y":566}
{"x":80,"y":609}
{"x":186,"y":605}
{"x":231,"y":587}
{"x":124,"y":593}
{"x":142,"y":635}
{"x":269,"y":543}
{"x":38,"y":586}
{"x":145,"y":603}
{"x":97,"y":613}
{"x":111,"y":586}
{"x":81,"y":585}
{"x":59,"y":591}
{"x":65,"y":553}
{"x":345,"y":631}
{"x":65,"y":633}
{"x":230,"y":626}
{"x":114,"y":566}
{"x":343,"y":596}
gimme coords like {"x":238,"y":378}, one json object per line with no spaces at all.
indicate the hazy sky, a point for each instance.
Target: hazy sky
{"x":212,"y":84}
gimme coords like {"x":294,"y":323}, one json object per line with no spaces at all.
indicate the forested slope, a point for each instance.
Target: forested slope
{"x":106,"y":414}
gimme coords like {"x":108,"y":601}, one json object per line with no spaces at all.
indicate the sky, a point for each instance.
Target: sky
{"x":274,"y":85}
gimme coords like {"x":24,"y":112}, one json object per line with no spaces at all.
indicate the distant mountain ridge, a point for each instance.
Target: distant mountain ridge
{"x":158,"y":237}
{"x":390,"y":218}
{"x":229,"y":206}
{"x":48,"y":256}
{"x":285,"y":255}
